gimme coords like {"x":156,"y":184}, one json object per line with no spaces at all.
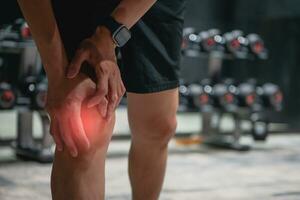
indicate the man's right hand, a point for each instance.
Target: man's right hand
{"x":64,"y":102}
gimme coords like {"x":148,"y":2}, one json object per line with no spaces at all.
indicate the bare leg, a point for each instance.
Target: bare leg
{"x":152,"y":119}
{"x":82,"y":178}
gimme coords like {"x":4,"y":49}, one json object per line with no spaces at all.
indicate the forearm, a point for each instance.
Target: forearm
{"x":128,"y":12}
{"x":40,"y":18}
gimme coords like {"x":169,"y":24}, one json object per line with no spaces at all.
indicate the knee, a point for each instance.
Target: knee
{"x":99,"y":136}
{"x":99,"y":142}
{"x":98,"y":132}
{"x":157,"y":129}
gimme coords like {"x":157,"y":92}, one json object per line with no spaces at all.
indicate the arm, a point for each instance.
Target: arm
{"x":64,"y":96}
{"x":128,"y":12}
{"x":99,"y":51}
{"x":43,"y":27}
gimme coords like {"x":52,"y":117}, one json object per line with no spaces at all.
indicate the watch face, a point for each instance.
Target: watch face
{"x":121,"y":36}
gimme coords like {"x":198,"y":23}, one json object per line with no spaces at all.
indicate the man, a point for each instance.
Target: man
{"x":70,"y":34}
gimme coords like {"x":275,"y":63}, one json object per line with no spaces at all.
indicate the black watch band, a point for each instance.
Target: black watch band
{"x":111,"y":24}
{"x":119,"y":32}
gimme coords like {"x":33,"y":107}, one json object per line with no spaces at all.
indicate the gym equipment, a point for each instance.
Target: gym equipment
{"x":183,"y":94}
{"x":225,"y":97}
{"x":190,"y":42}
{"x":38,"y":100}
{"x":271,"y":96}
{"x":6,"y":33}
{"x":202,"y":96}
{"x":18,"y":31}
{"x":257,"y":46}
{"x":186,"y":102}
{"x":233,"y":43}
{"x":7,"y":96}
{"x":16,"y":40}
{"x":36,"y":91}
{"x":211,"y":40}
{"x":237,"y":44}
{"x":248,"y":97}
{"x":29,"y":85}
{"x":215,"y":96}
{"x":242,"y":101}
{"x":260,"y":128}
{"x":26,"y":147}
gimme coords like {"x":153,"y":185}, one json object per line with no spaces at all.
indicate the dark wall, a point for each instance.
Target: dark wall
{"x":9,"y":11}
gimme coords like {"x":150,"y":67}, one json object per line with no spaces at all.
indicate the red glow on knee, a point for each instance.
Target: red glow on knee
{"x":93,"y":122}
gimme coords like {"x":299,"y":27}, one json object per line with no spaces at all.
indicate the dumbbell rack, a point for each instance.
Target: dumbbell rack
{"x":211,"y":118}
{"x":26,"y":147}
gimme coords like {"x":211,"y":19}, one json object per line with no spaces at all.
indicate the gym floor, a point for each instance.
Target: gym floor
{"x":269,"y":171}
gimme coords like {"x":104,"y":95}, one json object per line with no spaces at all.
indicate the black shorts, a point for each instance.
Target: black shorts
{"x":150,"y":60}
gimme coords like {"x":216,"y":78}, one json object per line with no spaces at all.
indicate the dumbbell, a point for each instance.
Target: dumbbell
{"x":260,"y":127}
{"x":248,"y":97}
{"x":36,"y":90}
{"x":17,"y":31}
{"x":38,"y":99}
{"x":6,"y":33}
{"x":211,"y":40}
{"x":257,"y":46}
{"x":21,"y":26}
{"x":7,"y":96}
{"x":271,"y":96}
{"x":202,"y":95}
{"x":183,"y":95}
{"x":236,"y":43}
{"x":28,"y":86}
{"x":190,"y":42}
{"x":224,"y":94}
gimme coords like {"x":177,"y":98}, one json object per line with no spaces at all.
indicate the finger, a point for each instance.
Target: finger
{"x":66,"y":134}
{"x":103,"y":107}
{"x":101,"y":90}
{"x":54,"y":131}
{"x":78,"y":130}
{"x":113,"y":98}
{"x":119,"y":101}
{"x":121,"y":91}
{"x":80,"y":56}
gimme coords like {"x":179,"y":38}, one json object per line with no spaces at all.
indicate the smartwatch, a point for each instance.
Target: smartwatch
{"x":119,"y":32}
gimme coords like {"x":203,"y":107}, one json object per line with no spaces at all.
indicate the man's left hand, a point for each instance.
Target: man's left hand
{"x":99,"y":52}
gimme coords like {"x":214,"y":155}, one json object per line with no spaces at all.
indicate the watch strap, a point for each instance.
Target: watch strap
{"x":112,"y":24}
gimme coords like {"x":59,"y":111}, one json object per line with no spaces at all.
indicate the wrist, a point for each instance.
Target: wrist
{"x":102,"y":36}
{"x":54,"y":80}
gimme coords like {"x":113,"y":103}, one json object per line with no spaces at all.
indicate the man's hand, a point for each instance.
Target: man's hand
{"x":99,"y":52}
{"x":64,"y":103}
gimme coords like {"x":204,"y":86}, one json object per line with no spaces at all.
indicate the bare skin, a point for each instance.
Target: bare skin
{"x":64,"y":96}
{"x":82,"y":112}
{"x":83,"y":177}
{"x":151,"y":131}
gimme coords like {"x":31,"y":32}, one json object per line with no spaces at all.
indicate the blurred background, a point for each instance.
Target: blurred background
{"x":238,"y":119}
